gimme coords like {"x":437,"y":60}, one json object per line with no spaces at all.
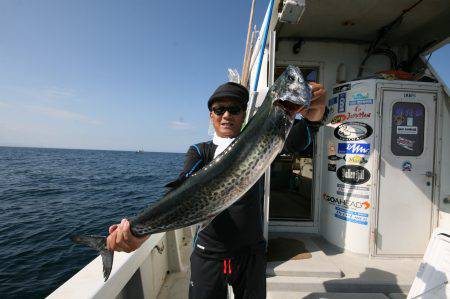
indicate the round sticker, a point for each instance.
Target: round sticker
{"x":352,"y":131}
{"x":353,"y":174}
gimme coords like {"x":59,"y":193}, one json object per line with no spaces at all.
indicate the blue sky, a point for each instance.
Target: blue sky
{"x":115,"y":74}
{"x":118,"y":75}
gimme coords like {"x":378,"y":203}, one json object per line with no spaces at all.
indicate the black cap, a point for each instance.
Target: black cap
{"x":230,"y":90}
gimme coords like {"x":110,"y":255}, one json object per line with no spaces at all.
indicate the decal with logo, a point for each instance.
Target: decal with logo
{"x":406,"y":130}
{"x":337,"y":119}
{"x":360,"y":102}
{"x":354,"y":148}
{"x":405,"y":143}
{"x":352,"y":187}
{"x":332,"y":101}
{"x":341,"y":102}
{"x":355,"y":159}
{"x":346,"y":203}
{"x":407,"y":111}
{"x":331,"y":167}
{"x":360,"y":96}
{"x":406,"y":166}
{"x":351,"y":194}
{"x":352,"y":131}
{"x":331,"y":149}
{"x":399,"y":119}
{"x":358,"y":109}
{"x":342,"y":88}
{"x":358,"y":115}
{"x":351,"y":216}
{"x":335,"y":158}
{"x":353,"y":174}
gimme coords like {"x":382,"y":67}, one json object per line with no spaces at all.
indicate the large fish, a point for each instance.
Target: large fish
{"x":230,"y":175}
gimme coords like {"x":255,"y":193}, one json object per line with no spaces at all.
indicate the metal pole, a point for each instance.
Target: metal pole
{"x":247,"y":44}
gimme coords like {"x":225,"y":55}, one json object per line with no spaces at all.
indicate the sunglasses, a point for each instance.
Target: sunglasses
{"x":233,"y":109}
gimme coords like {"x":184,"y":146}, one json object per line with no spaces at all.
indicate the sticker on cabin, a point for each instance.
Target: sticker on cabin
{"x":399,"y":119}
{"x":354,"y":148}
{"x":353,"y":174}
{"x":355,"y":159}
{"x":358,"y":115}
{"x":342,"y":88}
{"x":331,"y":149}
{"x":353,"y":131}
{"x":338,"y":119}
{"x":352,"y":187}
{"x":351,"y":216}
{"x":405,"y":143}
{"x":360,"y":102}
{"x":347,"y":203}
{"x":407,"y":130}
{"x":352,"y":194}
{"x":341,"y":102}
{"x":406,"y":166}
{"x":335,"y":158}
{"x":332,"y":101}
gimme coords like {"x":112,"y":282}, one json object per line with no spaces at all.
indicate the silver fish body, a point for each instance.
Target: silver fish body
{"x":231,"y":174}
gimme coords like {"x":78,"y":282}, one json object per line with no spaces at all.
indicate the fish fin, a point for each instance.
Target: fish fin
{"x":98,"y":243}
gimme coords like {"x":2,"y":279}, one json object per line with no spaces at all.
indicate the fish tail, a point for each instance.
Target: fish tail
{"x":99,"y":244}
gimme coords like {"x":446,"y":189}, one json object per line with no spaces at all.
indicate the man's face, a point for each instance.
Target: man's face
{"x":228,"y":124}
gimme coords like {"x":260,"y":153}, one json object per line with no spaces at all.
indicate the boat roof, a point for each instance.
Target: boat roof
{"x":360,"y":21}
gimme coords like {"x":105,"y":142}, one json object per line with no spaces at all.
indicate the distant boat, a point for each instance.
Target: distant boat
{"x":140,"y":151}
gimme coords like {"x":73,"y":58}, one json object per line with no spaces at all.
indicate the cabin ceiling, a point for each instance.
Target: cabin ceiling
{"x":360,"y":20}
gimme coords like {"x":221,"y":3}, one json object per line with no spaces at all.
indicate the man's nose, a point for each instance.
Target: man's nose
{"x":227,"y":114}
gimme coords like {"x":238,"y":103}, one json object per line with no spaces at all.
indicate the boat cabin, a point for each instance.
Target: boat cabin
{"x":375,"y":180}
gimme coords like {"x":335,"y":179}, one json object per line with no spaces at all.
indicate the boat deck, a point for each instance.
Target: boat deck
{"x":310,"y":267}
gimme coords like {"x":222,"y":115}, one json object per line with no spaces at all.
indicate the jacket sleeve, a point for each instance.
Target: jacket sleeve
{"x":193,"y":161}
{"x":299,"y":138}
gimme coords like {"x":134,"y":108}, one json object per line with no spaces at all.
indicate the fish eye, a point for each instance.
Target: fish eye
{"x":291,"y":77}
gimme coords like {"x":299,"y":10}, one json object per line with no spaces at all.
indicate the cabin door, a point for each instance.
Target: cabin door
{"x":406,"y":172}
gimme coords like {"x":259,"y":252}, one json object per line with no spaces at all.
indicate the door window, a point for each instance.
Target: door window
{"x":408,"y":126}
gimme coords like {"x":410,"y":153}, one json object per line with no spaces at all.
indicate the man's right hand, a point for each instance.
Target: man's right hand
{"x":121,"y":239}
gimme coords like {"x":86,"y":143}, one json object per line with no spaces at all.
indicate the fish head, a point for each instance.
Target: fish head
{"x":291,"y":91}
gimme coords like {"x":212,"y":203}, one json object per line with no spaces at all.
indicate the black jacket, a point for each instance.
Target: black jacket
{"x":238,"y":229}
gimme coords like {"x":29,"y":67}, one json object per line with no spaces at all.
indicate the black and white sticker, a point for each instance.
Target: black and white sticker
{"x":353,"y":174}
{"x":353,"y":131}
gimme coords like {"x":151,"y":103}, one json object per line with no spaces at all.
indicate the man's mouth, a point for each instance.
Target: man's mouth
{"x":227,"y":125}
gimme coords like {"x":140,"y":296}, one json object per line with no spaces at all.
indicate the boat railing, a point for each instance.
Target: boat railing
{"x":139,"y":274}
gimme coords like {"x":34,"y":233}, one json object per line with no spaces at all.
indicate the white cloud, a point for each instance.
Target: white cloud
{"x":180,"y":125}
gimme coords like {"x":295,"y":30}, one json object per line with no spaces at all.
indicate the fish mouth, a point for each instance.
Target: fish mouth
{"x":291,"y":108}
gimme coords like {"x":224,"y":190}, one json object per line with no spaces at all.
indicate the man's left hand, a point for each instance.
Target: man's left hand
{"x":318,"y":103}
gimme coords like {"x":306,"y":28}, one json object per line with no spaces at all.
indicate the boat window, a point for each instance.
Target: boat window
{"x":408,"y":124}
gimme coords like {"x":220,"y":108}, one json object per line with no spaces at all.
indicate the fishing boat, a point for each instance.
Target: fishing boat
{"x":353,"y":216}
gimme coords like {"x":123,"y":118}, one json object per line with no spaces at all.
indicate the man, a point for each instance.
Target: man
{"x":230,"y":249}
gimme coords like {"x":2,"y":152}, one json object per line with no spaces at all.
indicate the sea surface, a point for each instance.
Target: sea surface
{"x":46,"y":195}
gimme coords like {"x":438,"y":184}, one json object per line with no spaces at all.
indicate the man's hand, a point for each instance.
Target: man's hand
{"x":318,"y":103}
{"x":121,"y":239}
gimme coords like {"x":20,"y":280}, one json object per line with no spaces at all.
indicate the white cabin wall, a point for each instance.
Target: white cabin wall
{"x":444,"y":208}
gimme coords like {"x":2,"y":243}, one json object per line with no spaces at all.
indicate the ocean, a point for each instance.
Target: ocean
{"x":46,"y":195}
